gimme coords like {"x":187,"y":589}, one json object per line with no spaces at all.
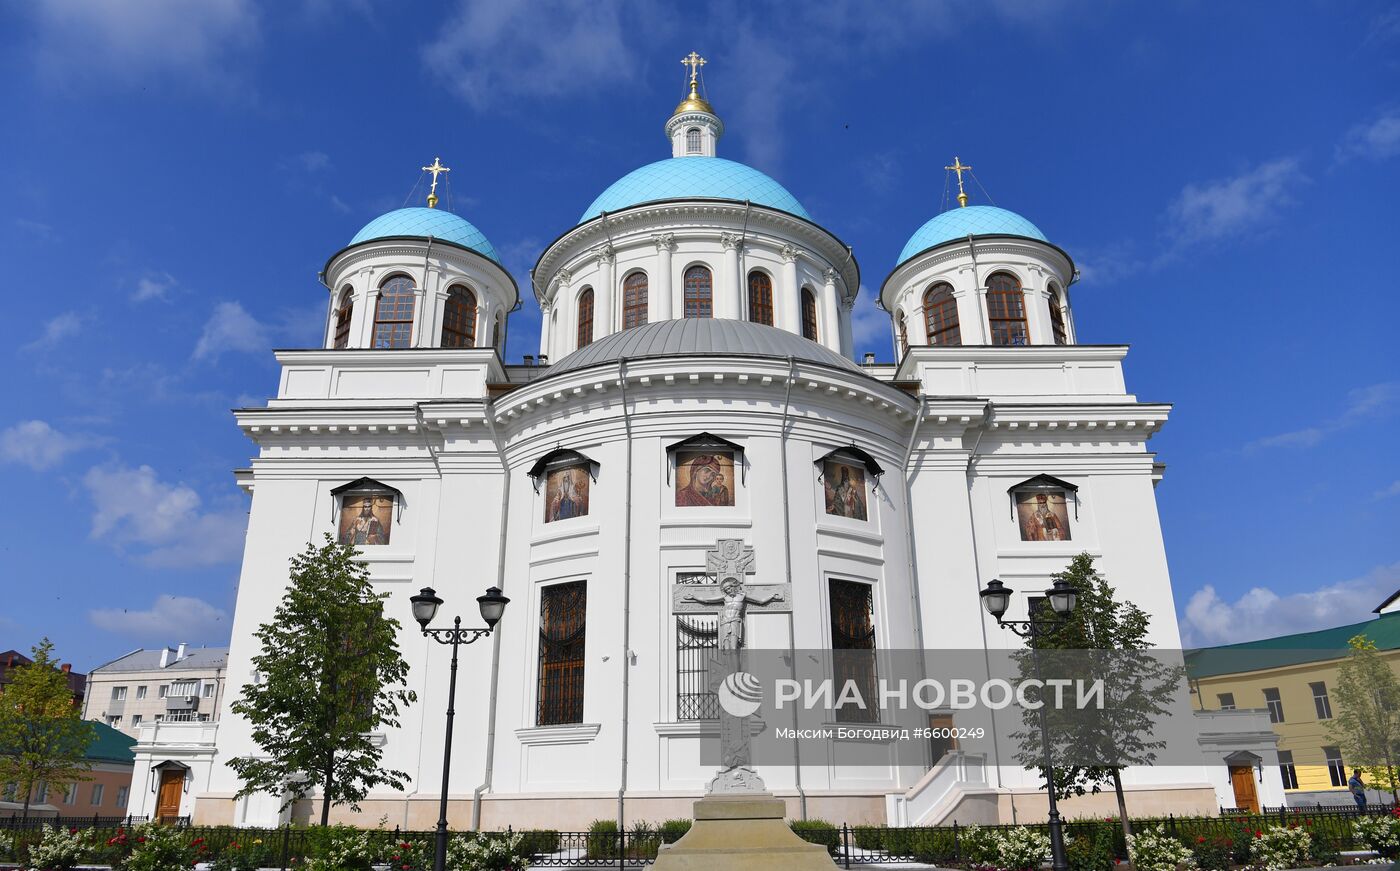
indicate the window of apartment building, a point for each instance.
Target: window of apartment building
{"x":1336,"y":770}
{"x":164,"y":690}
{"x":136,"y":719}
{"x":97,"y":790}
{"x":1320,"y":700}
{"x":207,"y":690}
{"x":141,"y":691}
{"x":70,"y":793}
{"x":160,"y":718}
{"x":181,"y":689}
{"x":114,"y":720}
{"x":1227,"y":701}
{"x":1271,"y":698}
{"x":122,"y":792}
{"x":118,"y":694}
{"x":1287,"y":770}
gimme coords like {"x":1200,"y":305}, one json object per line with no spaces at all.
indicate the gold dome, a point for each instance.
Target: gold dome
{"x":693,"y":103}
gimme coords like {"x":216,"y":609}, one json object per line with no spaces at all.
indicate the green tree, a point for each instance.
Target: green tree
{"x":1366,"y":721}
{"x":1106,"y":638}
{"x":43,"y":737}
{"x":328,"y":676}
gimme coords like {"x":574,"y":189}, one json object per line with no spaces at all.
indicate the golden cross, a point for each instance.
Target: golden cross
{"x":695,"y":62}
{"x":436,"y":168}
{"x":960,"y":168}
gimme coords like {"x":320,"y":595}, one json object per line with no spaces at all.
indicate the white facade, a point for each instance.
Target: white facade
{"x":454,"y":432}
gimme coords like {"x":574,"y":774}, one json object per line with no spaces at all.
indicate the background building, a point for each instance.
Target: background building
{"x":105,"y":793}
{"x":172,"y":684}
{"x":12,"y":659}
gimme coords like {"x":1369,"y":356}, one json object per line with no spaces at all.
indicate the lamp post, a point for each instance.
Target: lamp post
{"x":996,"y":598}
{"x":425,"y":607}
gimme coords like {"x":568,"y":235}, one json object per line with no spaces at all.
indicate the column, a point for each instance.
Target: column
{"x":559,"y":309}
{"x":831,"y":330}
{"x":972,"y":308}
{"x":603,"y":293}
{"x":485,"y":312}
{"x":659,"y":303}
{"x":790,"y":312}
{"x":1037,"y":314}
{"x":848,"y":342}
{"x":362,"y":318}
{"x":546,"y":325}
{"x":727,"y":305}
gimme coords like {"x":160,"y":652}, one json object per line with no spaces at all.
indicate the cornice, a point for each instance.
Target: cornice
{"x":464,"y":259}
{"x":983,"y":246}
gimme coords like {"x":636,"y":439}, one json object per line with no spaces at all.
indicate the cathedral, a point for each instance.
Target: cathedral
{"x":695,"y":383}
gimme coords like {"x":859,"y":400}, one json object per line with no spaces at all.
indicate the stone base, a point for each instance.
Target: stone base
{"x":738,"y":833}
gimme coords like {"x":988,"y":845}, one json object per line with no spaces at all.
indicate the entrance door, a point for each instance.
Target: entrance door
{"x":172,"y":784}
{"x":1242,"y":779}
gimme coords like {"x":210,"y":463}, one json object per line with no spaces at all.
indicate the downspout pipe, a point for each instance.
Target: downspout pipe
{"x":626,"y":597}
{"x":495,"y":636}
{"x":909,"y":528}
{"x":787,"y":557}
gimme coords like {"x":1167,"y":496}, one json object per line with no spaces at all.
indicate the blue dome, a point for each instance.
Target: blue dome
{"x":427,"y":222}
{"x":970,"y":221}
{"x":694,"y":178}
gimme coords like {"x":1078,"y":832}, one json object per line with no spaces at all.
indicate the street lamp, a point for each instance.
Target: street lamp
{"x":1062,"y":596}
{"x":425,"y":607}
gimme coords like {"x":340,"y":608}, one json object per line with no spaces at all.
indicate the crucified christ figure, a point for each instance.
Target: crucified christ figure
{"x":732,"y":601}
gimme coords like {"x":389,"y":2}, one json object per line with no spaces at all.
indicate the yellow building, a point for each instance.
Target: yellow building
{"x":1292,"y":677}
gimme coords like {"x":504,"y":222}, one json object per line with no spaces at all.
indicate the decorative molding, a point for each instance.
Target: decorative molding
{"x":604,"y":254}
{"x":664,"y":241}
{"x":564,"y":276}
{"x":731,"y":241}
{"x":574,"y":733}
{"x":829,"y":275}
{"x":790,"y":253}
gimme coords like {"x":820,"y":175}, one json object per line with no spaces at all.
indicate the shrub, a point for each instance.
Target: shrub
{"x":155,"y":847}
{"x":1214,"y":852}
{"x":817,"y":832}
{"x":979,"y":846}
{"x":496,"y":851}
{"x":7,"y":845}
{"x":672,"y":831}
{"x":602,"y":839}
{"x":933,"y":846}
{"x":339,"y":848}
{"x":643,"y":841}
{"x":1278,"y":848}
{"x":1022,"y":848}
{"x":1381,"y":834}
{"x":869,"y":837}
{"x":1091,"y":851}
{"x":1153,"y":849}
{"x":408,"y":854}
{"x":58,"y":849}
{"x":535,"y":842}
{"x":249,"y":855}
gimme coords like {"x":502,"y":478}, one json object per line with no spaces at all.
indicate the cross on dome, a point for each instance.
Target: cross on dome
{"x":695,"y":62}
{"x":694,"y":128}
{"x":435,"y":169}
{"x":959,"y":167}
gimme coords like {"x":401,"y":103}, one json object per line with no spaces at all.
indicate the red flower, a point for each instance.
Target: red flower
{"x":1201,"y":839}
{"x":1258,"y":834}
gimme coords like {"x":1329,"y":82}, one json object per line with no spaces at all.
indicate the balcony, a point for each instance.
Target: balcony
{"x":182,"y":703}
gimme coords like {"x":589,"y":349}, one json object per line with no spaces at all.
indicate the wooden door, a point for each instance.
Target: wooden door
{"x":172,"y":784}
{"x":1242,"y":779}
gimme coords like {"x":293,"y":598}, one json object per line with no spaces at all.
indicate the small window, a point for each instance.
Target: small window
{"x":901,"y":328}
{"x":1057,"y":317}
{"x":136,"y":719}
{"x":41,"y":793}
{"x":1227,"y":701}
{"x":70,"y":793}
{"x":809,"y":314}
{"x":634,"y":300}
{"x":118,"y":694}
{"x":692,"y":141}
{"x":343,"y":313}
{"x":114,"y":720}
{"x":97,"y":790}
{"x":141,"y":691}
{"x":698,"y":292}
{"x":459,"y":318}
{"x":184,"y":689}
{"x":941,"y":316}
{"x":561,"y":648}
{"x":393,"y":314}
{"x":1287,"y":770}
{"x":585,"y":318}
{"x":760,"y":298}
{"x":1006,"y":310}
{"x":10,"y":789}
{"x":164,"y":690}
{"x":1320,"y":700}
{"x":1336,"y":770}
{"x":853,"y":647}
{"x":122,"y":793}
{"x":496,"y":332}
{"x":1275,"y":703}
{"x":207,"y":690}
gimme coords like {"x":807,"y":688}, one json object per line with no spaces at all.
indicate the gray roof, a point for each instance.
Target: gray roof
{"x":196,"y":659}
{"x":690,"y":337}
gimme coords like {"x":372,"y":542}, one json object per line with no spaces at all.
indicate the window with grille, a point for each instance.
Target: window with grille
{"x":1227,"y":701}
{"x":562,"y":611}
{"x":809,"y":314}
{"x":1275,"y":704}
{"x":1320,"y":700}
{"x":692,"y":141}
{"x":1057,"y":318}
{"x":393,"y":313}
{"x":760,"y":298}
{"x":1336,"y":770}
{"x":697,"y":636}
{"x":459,"y":319}
{"x":853,"y":648}
{"x":634,"y":300}
{"x":1006,"y":310}
{"x":698,"y":291}
{"x":1287,"y":770}
{"x":585,"y":318}
{"x":941,"y":316}
{"x":342,"y":318}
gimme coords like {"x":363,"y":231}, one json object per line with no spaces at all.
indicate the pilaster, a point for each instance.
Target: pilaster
{"x":728,"y":302}
{"x":660,"y":302}
{"x":603,"y":293}
{"x":830,"y":329}
{"x":790,"y":312}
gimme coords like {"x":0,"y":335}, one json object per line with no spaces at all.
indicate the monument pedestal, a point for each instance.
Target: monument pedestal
{"x":741,"y":831}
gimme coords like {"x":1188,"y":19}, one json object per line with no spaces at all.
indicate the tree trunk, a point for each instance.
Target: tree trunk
{"x":326,"y":792}
{"x":1122,"y":804}
{"x":25,"y":817}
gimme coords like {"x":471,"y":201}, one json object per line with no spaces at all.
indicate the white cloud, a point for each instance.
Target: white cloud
{"x":231,"y":328}
{"x":56,"y":329}
{"x":870,"y":327}
{"x":1261,"y":613}
{"x":35,"y":444}
{"x":118,"y":42}
{"x":1363,"y":403}
{"x":1220,"y":209}
{"x":314,"y":161}
{"x":153,"y":285}
{"x":133,"y":507}
{"x":1375,"y":140}
{"x":1387,"y":492}
{"x":190,"y":617}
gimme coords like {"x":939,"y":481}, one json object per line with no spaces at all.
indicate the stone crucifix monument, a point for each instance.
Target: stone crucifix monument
{"x":738,"y":824}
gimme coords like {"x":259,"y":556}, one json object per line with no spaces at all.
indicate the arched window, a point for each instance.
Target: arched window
{"x":760,"y":298}
{"x":809,"y":314}
{"x":393,"y":314}
{"x":692,"y":141}
{"x":496,"y":333}
{"x":459,"y":318}
{"x":1057,"y":317}
{"x":941,"y":316}
{"x":901,"y":328}
{"x":342,"y":318}
{"x":1006,"y":310}
{"x":634,"y":300}
{"x":585,"y":317}
{"x":698,"y":292}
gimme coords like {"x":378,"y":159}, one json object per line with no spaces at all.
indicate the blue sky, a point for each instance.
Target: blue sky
{"x":173,"y":174}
